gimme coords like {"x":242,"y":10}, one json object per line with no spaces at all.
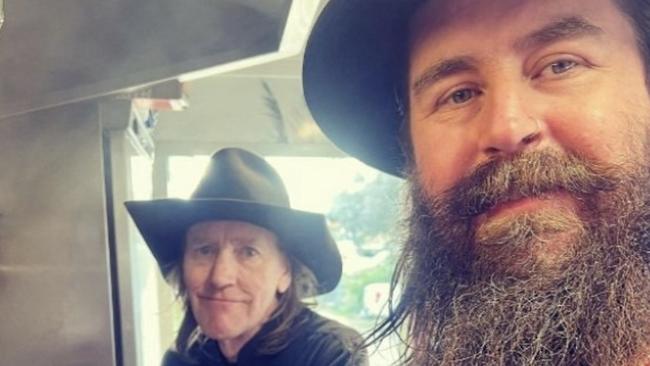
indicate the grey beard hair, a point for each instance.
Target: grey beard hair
{"x":494,"y":296}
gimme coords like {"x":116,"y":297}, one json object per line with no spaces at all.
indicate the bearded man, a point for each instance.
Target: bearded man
{"x":522,"y":129}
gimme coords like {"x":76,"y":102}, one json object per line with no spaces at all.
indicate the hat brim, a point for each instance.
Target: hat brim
{"x":353,"y":60}
{"x":164,"y":223}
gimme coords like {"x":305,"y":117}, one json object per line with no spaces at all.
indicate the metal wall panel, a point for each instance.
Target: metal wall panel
{"x":56,"y":52}
{"x":55,"y":304}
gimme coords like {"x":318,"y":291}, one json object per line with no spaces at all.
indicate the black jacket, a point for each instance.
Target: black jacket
{"x":317,"y":341}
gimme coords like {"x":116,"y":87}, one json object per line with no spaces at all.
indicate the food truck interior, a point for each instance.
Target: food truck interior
{"x":107,"y":101}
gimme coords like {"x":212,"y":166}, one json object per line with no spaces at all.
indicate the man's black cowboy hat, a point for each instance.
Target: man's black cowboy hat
{"x":353,"y":67}
{"x":240,"y":186}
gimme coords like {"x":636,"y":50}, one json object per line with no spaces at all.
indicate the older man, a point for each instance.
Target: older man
{"x":242,"y":261}
{"x":522,"y":128}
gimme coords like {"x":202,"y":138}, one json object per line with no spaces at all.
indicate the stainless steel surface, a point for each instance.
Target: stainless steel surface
{"x":67,"y":50}
{"x":55,"y":305}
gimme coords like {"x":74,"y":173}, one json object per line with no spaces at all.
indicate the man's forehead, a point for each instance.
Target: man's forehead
{"x":231,"y":228}
{"x":449,"y":29}
{"x":437,"y":14}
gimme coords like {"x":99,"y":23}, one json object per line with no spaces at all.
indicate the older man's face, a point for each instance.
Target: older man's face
{"x":233,"y":272}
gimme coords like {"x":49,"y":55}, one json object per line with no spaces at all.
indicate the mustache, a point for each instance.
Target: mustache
{"x":526,"y":175}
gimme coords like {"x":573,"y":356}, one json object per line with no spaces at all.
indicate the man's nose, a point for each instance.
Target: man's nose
{"x":508,"y":125}
{"x":224,"y":270}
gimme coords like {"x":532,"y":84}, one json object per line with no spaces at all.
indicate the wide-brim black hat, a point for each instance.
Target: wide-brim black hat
{"x":240,"y":186}
{"x":354,"y":62}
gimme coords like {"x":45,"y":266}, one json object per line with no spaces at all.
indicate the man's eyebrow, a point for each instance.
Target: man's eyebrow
{"x":441,"y":70}
{"x":565,"y":28}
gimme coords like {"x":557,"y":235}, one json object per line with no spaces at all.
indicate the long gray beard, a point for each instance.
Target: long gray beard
{"x":586,"y":305}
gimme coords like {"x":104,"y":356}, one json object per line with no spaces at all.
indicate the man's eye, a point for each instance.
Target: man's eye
{"x":562,"y":66}
{"x":204,"y":250}
{"x":558,"y":69}
{"x":249,"y":252}
{"x":461,"y":96}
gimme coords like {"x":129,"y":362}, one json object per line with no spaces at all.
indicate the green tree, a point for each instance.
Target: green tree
{"x":369,"y":218}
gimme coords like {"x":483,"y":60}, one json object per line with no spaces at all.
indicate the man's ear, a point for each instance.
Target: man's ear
{"x":284,"y":281}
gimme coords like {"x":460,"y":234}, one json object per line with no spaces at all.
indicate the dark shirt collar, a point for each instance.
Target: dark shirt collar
{"x":209,"y":351}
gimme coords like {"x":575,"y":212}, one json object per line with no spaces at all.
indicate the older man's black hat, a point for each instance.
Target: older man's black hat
{"x":240,"y":186}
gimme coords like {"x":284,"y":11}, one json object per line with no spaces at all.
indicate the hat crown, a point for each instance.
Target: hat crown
{"x":238,"y":174}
